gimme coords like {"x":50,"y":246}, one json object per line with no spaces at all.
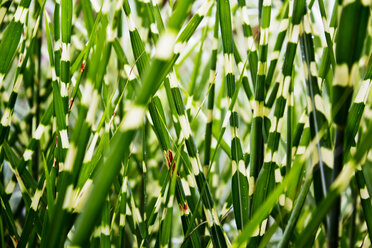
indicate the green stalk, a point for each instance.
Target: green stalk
{"x":239,"y":174}
{"x":66,"y":27}
{"x":211,"y":95}
{"x":322,"y":160}
{"x":284,"y":25}
{"x":249,"y":41}
{"x":257,"y":146}
{"x":138,"y":48}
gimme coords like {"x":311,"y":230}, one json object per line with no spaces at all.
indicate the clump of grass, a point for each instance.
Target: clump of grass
{"x":115,"y":116}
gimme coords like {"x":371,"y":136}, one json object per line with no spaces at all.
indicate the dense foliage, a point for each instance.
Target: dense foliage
{"x":203,"y":123}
